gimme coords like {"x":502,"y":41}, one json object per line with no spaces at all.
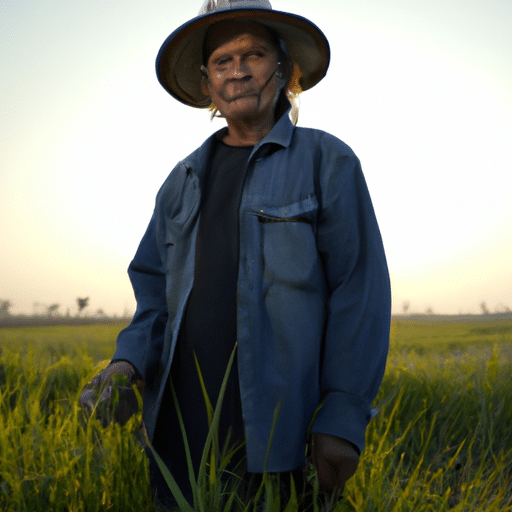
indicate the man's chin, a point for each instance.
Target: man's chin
{"x":242,"y":112}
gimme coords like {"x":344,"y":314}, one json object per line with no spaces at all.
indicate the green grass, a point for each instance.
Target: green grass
{"x":442,"y":439}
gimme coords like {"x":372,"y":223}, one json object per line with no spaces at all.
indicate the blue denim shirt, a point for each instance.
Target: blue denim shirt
{"x":314,"y":302}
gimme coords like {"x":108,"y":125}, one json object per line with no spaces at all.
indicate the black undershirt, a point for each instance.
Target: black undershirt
{"x":210,"y":323}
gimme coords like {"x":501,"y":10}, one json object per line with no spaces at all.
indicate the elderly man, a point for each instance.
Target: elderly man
{"x":264,"y":237}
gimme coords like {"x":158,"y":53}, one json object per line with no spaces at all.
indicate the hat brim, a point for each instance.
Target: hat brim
{"x":179,"y":60}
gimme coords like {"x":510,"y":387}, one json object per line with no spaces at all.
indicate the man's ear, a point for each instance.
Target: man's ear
{"x":205,"y":80}
{"x":204,"y":87}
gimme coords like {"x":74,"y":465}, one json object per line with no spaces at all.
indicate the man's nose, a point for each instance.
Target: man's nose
{"x":240,"y":69}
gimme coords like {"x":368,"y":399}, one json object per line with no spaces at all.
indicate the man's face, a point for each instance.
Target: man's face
{"x":242,"y":72}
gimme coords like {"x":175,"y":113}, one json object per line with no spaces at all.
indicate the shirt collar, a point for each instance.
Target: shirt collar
{"x":281,"y":133}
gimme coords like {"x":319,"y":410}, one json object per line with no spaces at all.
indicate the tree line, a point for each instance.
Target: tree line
{"x":51,"y":310}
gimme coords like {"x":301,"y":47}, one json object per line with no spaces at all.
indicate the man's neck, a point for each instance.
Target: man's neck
{"x":241,"y":133}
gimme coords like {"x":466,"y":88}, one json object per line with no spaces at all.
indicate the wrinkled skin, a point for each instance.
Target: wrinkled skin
{"x":335,"y":460}
{"x":243,"y":80}
{"x":111,"y":393}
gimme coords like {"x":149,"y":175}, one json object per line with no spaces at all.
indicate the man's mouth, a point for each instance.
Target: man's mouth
{"x":246,"y":94}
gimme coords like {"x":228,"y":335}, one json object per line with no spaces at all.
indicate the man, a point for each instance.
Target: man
{"x":264,"y":237}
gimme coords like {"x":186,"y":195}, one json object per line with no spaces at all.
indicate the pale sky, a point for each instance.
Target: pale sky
{"x":420,"y":89}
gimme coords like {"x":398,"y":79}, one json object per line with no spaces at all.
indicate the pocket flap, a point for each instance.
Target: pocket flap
{"x":300,"y":211}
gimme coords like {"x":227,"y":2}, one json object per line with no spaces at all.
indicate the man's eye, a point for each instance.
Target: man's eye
{"x":222,"y":61}
{"x":255,"y":54}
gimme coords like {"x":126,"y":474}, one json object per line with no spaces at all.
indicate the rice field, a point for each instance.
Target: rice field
{"x":442,"y":439}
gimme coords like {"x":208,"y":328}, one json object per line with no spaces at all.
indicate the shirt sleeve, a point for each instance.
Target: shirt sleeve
{"x":357,"y":331}
{"x":146,"y":330}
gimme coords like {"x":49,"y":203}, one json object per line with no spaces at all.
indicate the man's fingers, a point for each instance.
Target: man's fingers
{"x":87,"y":399}
{"x":98,"y":393}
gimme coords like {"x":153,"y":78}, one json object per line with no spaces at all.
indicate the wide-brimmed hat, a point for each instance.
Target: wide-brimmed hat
{"x":178,"y":64}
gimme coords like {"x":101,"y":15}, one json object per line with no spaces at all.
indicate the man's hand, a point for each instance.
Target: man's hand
{"x":335,"y":460}
{"x":120,"y":376}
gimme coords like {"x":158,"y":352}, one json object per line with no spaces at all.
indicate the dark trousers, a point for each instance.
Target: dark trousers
{"x":245,"y":485}
{"x":168,"y":443}
{"x":171,"y":450}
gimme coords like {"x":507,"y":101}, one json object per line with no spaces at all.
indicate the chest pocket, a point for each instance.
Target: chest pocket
{"x":287,"y":243}
{"x":304,"y":210}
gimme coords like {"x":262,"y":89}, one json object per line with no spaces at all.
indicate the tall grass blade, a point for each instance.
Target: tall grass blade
{"x":213,"y":431}
{"x":209,"y":413}
{"x":190,"y":466}
{"x":171,"y":482}
{"x":272,"y":430}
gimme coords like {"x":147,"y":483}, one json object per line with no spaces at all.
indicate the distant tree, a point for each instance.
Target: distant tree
{"x":405,"y":306}
{"x":52,"y":310}
{"x":82,"y":304}
{"x":37,"y":308}
{"x":5,"y":306}
{"x":100,"y":313}
{"x":430,"y":311}
{"x":484,"y":308}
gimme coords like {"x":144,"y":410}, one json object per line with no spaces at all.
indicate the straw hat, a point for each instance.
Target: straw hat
{"x":179,"y":60}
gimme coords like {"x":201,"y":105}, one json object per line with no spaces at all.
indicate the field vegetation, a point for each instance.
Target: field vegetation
{"x":442,"y":439}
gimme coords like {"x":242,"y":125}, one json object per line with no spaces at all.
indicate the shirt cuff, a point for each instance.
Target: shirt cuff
{"x":344,"y":416}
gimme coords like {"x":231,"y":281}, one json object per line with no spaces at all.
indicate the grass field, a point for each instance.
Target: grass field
{"x":442,"y":439}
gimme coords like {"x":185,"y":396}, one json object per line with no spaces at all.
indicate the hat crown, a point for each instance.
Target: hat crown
{"x":223,"y":5}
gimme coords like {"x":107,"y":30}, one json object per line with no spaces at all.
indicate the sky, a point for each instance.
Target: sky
{"x":420,"y":89}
